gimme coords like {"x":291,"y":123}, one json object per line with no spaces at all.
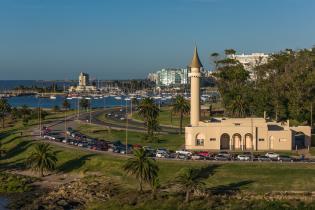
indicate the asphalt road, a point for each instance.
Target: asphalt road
{"x":116,"y":123}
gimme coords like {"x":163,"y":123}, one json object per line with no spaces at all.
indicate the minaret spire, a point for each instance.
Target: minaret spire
{"x":195,"y":75}
{"x":195,"y":63}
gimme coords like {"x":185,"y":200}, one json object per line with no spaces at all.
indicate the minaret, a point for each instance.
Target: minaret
{"x":195,"y":75}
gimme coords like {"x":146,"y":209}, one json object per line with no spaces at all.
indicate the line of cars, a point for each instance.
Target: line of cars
{"x":78,"y":139}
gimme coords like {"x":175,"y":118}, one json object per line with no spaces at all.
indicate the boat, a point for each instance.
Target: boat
{"x":52,"y":97}
{"x":118,"y":98}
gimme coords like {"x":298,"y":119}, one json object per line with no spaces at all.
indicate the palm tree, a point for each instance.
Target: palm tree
{"x":42,"y":158}
{"x":190,"y":182}
{"x":5,"y":108}
{"x":84,"y":103}
{"x":66,"y":104}
{"x":239,"y":106}
{"x":155,"y":185}
{"x":181,"y":107}
{"x":149,"y":111}
{"x":143,"y":167}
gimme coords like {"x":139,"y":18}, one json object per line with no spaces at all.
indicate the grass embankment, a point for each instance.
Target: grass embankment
{"x":165,"y":117}
{"x":253,"y":177}
{"x":170,"y":141}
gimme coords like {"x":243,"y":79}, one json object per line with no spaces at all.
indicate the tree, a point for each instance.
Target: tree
{"x":143,"y":167}
{"x":84,"y":103}
{"x":239,"y":107}
{"x":15,"y":114}
{"x":42,"y":158}
{"x":66,"y":104}
{"x":229,"y":52}
{"x":25,"y":111}
{"x":181,"y":106}
{"x":149,"y":111}
{"x":5,"y":108}
{"x":214,"y":58}
{"x":190,"y":182}
{"x":155,"y":185}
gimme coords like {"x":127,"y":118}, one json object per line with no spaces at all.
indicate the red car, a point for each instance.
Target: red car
{"x":203,"y":154}
{"x":137,"y":146}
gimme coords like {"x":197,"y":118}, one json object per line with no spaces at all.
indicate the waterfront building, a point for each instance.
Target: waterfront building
{"x":84,"y":84}
{"x":251,"y":134}
{"x":169,"y":76}
{"x":250,"y":61}
{"x":84,"y":79}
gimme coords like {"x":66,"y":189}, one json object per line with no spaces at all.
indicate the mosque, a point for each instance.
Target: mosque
{"x":247,"y":134}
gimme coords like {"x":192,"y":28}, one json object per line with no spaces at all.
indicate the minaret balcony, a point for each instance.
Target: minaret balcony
{"x":194,"y":74}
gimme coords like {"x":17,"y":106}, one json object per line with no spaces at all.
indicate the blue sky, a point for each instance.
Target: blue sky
{"x":126,"y":39}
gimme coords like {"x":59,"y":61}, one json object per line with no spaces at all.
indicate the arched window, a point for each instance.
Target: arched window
{"x":200,"y":139}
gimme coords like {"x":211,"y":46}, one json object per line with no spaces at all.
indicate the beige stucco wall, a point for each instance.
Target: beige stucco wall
{"x":253,"y":134}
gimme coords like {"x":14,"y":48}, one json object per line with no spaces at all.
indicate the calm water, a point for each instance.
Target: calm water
{"x":32,"y":101}
{"x":11,"y":84}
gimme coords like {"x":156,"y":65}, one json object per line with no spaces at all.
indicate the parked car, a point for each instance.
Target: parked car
{"x":272,"y":155}
{"x":225,"y":153}
{"x":221,"y":157}
{"x":184,"y":152}
{"x":204,"y":154}
{"x":197,"y":157}
{"x":263,"y":158}
{"x":243,"y":157}
{"x":161,"y":154}
{"x":182,"y":156}
{"x":285,"y":158}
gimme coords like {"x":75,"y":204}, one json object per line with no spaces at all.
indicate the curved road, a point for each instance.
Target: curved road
{"x":116,"y":123}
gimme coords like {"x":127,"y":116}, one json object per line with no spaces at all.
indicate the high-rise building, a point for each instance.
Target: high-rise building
{"x":83,"y":79}
{"x":169,"y":76}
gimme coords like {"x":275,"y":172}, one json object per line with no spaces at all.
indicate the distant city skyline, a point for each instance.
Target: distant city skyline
{"x":123,"y":39}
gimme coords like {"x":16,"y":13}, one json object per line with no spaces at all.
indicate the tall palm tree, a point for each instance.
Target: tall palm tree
{"x":190,"y":182}
{"x":42,"y":159}
{"x":5,"y":108}
{"x":149,"y":111}
{"x":143,"y":167}
{"x":181,"y":107}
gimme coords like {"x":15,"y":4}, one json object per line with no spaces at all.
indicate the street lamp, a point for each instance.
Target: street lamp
{"x":127,"y":99}
{"x":39,"y":118}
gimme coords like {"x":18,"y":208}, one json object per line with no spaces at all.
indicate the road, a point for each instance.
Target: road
{"x":116,"y":123}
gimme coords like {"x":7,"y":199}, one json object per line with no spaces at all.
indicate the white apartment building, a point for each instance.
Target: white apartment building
{"x":250,"y":61}
{"x":169,"y":76}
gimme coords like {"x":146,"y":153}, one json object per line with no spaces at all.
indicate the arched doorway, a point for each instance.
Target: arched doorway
{"x":225,"y":142}
{"x":299,"y":140}
{"x":248,"y":143}
{"x":271,"y":141}
{"x":237,"y":138}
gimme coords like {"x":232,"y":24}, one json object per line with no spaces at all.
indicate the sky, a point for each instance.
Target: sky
{"x":127,"y":39}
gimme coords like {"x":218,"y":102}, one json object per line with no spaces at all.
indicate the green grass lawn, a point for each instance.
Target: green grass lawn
{"x":254,"y":177}
{"x":170,"y":141}
{"x":165,"y":117}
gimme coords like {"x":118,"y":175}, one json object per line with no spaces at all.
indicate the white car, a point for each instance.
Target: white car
{"x":272,"y":155}
{"x":162,"y":154}
{"x":184,"y":152}
{"x":243,"y":157}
